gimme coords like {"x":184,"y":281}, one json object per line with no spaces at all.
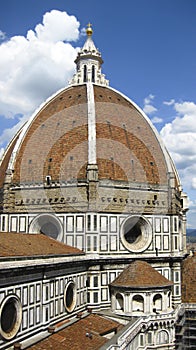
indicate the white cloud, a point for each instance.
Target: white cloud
{"x":156,"y":120}
{"x":2,"y":35}
{"x":148,"y":99}
{"x":35,"y":66}
{"x":10,"y":132}
{"x":179,"y":137}
{"x":193,"y":183}
{"x":169,"y":103}
{"x":148,"y":107}
{"x":57,"y":26}
{"x":191,"y":213}
{"x":1,"y":152}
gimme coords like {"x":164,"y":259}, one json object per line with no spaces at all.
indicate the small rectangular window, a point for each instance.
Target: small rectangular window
{"x":176,"y":276}
{"x":176,"y":242}
{"x":47,"y":314}
{"x":175,"y":224}
{"x":47,"y":293}
{"x":95,"y":243}
{"x":149,"y":338}
{"x":88,"y":244}
{"x":95,"y":297}
{"x":177,"y":290}
{"x":88,"y":222}
{"x":88,"y":297}
{"x":95,"y":281}
{"x":95,"y":222}
{"x":3,"y":223}
{"x":88,"y":282}
{"x":141,"y":339}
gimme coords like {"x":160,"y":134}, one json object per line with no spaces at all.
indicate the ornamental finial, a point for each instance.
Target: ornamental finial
{"x":89,"y":30}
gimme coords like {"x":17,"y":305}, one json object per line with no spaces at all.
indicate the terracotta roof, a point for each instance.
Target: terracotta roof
{"x":56,"y":142}
{"x":76,"y":336}
{"x":139,"y":274}
{"x":20,"y":244}
{"x":121,"y":128}
{"x":189,"y":279}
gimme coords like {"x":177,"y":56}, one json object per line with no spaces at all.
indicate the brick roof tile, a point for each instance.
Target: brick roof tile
{"x":76,"y":336}
{"x":139,"y":274}
{"x":19,"y":244}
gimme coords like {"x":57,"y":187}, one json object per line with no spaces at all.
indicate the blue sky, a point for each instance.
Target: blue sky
{"x":149,"y":52}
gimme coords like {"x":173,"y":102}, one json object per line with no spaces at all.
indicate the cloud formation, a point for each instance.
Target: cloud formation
{"x":148,"y":106}
{"x":35,"y":66}
{"x":169,"y":103}
{"x":156,"y":120}
{"x":179,"y":137}
{"x":2,"y":35}
{"x":57,"y":26}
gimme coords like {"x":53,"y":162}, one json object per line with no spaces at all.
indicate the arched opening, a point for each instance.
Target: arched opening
{"x":85,"y":74}
{"x":119,"y":302}
{"x":169,"y":299}
{"x":138,"y":303}
{"x":162,"y":337}
{"x":93,"y":74}
{"x":157,"y":303}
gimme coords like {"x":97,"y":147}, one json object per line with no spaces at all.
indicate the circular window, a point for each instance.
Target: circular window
{"x":49,"y":229}
{"x":47,"y":224}
{"x":136,"y":233}
{"x":70,"y":296}
{"x":10,"y":316}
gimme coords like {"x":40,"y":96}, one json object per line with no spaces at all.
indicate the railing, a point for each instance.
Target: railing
{"x":132,"y":329}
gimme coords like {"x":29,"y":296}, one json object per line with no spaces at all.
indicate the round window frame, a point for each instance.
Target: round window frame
{"x":41,"y":219}
{"x":15,"y":328}
{"x":146,"y":234}
{"x":70,"y":308}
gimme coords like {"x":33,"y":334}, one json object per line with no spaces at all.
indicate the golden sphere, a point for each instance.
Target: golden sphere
{"x":89,"y":30}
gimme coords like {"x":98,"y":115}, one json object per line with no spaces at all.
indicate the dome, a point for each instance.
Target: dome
{"x":140,"y":274}
{"x":89,"y":133}
{"x":55,"y":143}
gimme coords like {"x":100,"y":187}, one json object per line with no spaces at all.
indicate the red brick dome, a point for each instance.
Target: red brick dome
{"x":88,"y":147}
{"x":55,"y":142}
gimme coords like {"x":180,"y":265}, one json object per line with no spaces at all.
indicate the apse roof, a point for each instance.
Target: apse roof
{"x":87,"y":333}
{"x":140,"y":274}
{"x":19,"y":244}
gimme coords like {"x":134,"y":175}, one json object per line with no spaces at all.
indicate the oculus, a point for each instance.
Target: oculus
{"x":48,"y":225}
{"x":70,"y":296}
{"x":136,"y":233}
{"x":10,"y":317}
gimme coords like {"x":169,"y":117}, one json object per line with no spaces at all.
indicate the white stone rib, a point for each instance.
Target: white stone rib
{"x":91,"y":125}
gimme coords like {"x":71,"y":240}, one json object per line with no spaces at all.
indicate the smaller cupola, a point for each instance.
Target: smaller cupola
{"x":140,"y":290}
